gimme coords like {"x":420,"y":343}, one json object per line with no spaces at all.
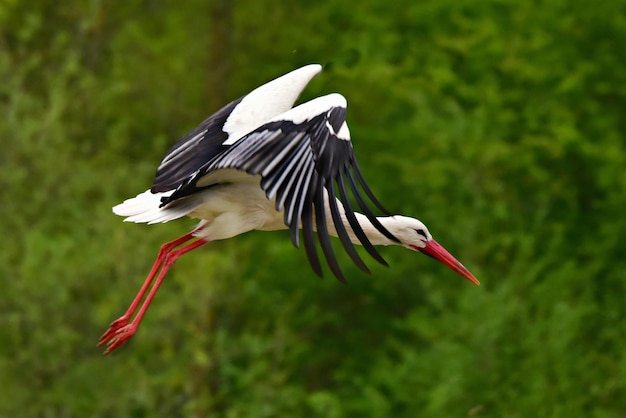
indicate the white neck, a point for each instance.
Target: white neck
{"x":374,"y":235}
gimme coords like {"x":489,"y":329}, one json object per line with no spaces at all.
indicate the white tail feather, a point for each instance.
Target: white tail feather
{"x":144,"y":208}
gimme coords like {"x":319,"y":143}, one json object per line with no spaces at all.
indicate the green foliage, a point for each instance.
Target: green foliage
{"x":498,"y":123}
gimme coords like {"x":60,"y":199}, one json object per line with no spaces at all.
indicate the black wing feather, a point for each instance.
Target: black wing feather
{"x":367,"y":211}
{"x":307,"y":232}
{"x":299,"y":199}
{"x":193,"y":151}
{"x":341,"y":231}
{"x":322,"y":233}
{"x":354,"y":224}
{"x":366,"y":189}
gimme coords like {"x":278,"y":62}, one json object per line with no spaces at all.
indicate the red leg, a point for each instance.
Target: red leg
{"x":122,"y":329}
{"x":124,"y":319}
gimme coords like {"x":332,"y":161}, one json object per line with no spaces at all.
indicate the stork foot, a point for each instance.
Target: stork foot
{"x":115,"y":337}
{"x":118,"y":333}
{"x":113,"y":328}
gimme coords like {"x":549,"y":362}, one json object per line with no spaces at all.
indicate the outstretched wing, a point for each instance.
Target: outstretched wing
{"x":229,"y":124}
{"x":306,"y":161}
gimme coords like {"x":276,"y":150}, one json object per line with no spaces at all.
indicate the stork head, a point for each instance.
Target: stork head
{"x":414,"y":235}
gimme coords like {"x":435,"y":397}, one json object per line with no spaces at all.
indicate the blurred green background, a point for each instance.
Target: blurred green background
{"x":501,"y":124}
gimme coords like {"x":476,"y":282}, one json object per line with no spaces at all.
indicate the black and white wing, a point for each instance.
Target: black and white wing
{"x":222,"y":129}
{"x":212,"y":137}
{"x":305,"y":160}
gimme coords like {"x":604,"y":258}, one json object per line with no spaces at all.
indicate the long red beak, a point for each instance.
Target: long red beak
{"x":436,"y":251}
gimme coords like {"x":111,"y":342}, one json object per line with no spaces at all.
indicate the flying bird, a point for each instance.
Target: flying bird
{"x":259,"y":163}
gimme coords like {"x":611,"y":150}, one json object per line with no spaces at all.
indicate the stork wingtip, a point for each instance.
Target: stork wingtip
{"x":312,"y":69}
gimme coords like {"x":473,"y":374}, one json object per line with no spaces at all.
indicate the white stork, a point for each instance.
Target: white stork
{"x":258,"y":163}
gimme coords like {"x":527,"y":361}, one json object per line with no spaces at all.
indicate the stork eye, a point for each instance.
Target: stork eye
{"x":421,"y":232}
